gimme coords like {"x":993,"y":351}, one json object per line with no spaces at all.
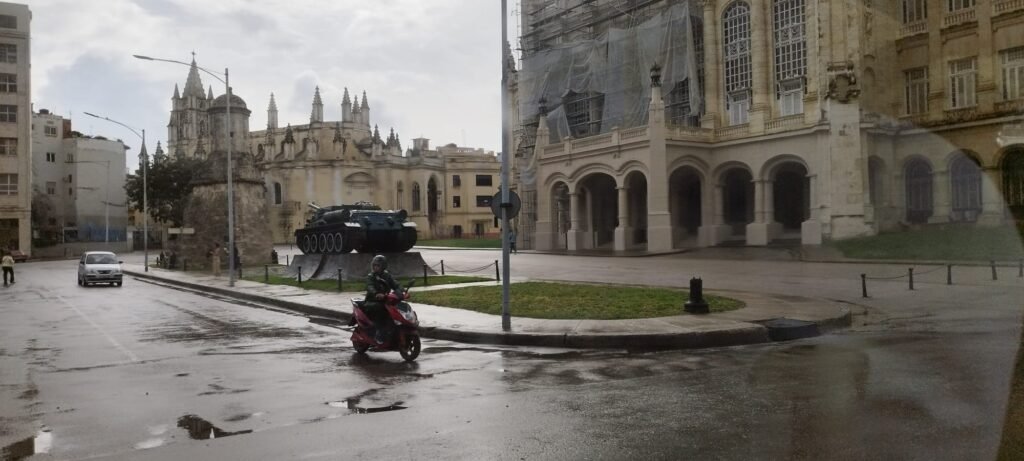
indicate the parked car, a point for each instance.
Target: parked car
{"x":99,"y":267}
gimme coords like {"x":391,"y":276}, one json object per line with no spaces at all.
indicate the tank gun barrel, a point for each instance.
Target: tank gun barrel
{"x":313,"y":206}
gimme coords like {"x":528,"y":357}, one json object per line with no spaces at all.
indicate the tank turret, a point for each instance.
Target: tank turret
{"x":362,"y":227}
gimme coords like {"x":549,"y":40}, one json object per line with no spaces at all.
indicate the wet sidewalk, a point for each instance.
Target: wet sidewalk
{"x":742,"y":326}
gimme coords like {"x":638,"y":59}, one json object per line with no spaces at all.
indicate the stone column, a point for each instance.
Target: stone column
{"x":940,"y":197}
{"x":712,"y":68}
{"x":774,"y":227}
{"x":810,"y":230}
{"x":988,"y":93}
{"x":575,"y":233}
{"x":757,"y":231}
{"x":622,"y":231}
{"x":720,"y":230}
{"x":761,"y":72}
{"x":708,"y":200}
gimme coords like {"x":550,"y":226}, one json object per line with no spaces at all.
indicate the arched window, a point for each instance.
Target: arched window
{"x":1013,"y":181}
{"x":415,"y":196}
{"x":965,"y":182}
{"x":790,"y":33}
{"x":400,"y":196}
{"x":918,"y":175}
{"x":736,"y":50}
{"x":278,"y":199}
{"x":583,"y":113}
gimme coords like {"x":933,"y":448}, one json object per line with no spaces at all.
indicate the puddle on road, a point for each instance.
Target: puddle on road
{"x":353,"y":406}
{"x":201,"y":429}
{"x":22,"y":449}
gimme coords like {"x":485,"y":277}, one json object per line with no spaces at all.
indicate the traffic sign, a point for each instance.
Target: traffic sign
{"x":514,"y":204}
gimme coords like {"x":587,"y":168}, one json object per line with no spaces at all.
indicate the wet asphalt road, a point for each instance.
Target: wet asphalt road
{"x":110,"y":373}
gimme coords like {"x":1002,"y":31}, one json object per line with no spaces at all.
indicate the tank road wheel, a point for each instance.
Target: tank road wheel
{"x":330,"y":244}
{"x":323,"y":243}
{"x":338,"y":244}
{"x":305,"y":245}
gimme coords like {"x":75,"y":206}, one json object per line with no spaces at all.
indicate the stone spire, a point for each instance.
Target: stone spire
{"x":177,"y":95}
{"x":143,"y":155}
{"x":364,"y":109}
{"x":272,"y":113}
{"x":318,"y":108}
{"x":376,"y":134}
{"x":346,"y":107}
{"x":159,"y":150}
{"x":194,"y":85}
{"x":209,"y":93}
{"x":357,"y":113}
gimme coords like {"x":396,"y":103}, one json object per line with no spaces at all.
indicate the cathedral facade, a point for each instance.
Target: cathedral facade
{"x":445,"y":190}
{"x":672,"y":123}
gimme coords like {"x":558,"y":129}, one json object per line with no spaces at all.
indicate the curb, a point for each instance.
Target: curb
{"x":751,"y":334}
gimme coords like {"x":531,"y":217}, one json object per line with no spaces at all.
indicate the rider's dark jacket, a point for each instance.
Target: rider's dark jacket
{"x":381,"y":283}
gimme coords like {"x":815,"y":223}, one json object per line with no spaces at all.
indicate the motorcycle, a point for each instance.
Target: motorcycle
{"x":404,"y":338}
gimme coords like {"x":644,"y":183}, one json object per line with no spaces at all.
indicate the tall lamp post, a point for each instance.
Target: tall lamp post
{"x":227,"y":133}
{"x":144,"y":160}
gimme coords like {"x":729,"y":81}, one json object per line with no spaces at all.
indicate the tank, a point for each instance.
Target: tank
{"x":363,"y":227}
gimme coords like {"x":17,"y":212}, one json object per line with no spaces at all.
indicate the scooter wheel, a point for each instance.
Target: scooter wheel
{"x":360,"y":347}
{"x":411,"y":349}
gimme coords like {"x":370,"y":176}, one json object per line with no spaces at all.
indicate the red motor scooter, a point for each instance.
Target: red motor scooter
{"x":404,"y":337}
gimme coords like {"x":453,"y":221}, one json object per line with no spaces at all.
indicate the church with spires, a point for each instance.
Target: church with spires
{"x":445,"y":190}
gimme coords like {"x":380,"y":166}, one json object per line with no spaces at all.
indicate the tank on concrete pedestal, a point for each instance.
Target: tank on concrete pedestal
{"x":362,"y":227}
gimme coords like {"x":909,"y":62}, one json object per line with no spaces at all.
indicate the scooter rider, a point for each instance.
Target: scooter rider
{"x":379,"y":283}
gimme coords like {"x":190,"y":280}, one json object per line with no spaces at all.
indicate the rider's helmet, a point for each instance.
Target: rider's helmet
{"x":381,"y":260}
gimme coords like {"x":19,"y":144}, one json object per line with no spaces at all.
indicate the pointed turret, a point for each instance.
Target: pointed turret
{"x":194,"y":85}
{"x":143,"y":155}
{"x":364,"y":109}
{"x":209,"y":93}
{"x":357,"y":113}
{"x":272,"y":113}
{"x":346,"y":107}
{"x":177,"y":95}
{"x":317,"y":116}
{"x":159,"y":151}
{"x":376,"y":134}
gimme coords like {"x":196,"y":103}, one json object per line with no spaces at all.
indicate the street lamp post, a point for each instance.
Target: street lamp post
{"x":144,"y":159}
{"x":227,"y":132}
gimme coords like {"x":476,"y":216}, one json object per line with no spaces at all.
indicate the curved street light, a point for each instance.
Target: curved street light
{"x":144,"y":159}
{"x":227,"y":133}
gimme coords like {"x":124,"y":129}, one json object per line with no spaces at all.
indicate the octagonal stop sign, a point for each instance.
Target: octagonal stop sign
{"x":514,"y":204}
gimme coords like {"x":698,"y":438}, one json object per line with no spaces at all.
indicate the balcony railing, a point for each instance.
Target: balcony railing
{"x":1006,"y":6}
{"x":785,"y":123}
{"x":592,"y":141}
{"x":732,"y":131}
{"x":631,"y":133}
{"x":1013,"y":105}
{"x":914,"y":28}
{"x":689,"y":133}
{"x":958,"y":17}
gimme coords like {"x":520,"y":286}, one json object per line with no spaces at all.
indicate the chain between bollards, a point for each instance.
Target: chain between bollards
{"x":910,"y":272}
{"x":340,"y":286}
{"x":287,"y":260}
{"x":995,"y":276}
{"x":864,"y":285}
{"x":497,"y":271}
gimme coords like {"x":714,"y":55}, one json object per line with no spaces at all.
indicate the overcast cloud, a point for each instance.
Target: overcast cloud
{"x":429,"y":67}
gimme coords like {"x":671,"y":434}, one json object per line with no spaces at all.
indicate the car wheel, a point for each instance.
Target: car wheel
{"x":118,"y":283}
{"x":79,"y":280}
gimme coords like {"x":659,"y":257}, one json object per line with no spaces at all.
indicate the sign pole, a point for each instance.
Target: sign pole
{"x":506,"y":318}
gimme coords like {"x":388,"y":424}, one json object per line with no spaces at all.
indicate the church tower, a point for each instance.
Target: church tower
{"x":189,"y":127}
{"x":272,"y":114}
{"x":317,"y":116}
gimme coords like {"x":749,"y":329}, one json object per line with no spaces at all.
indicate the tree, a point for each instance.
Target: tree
{"x":170,"y":183}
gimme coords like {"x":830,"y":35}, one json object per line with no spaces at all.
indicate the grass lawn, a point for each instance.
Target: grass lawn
{"x":462,"y":243}
{"x":955,"y":243}
{"x":355,"y":285}
{"x":542,"y":300}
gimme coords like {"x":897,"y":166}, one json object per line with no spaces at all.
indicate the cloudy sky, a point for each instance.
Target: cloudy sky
{"x":430,"y":68}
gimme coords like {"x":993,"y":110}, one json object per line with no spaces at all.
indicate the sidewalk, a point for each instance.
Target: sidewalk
{"x":742,"y":326}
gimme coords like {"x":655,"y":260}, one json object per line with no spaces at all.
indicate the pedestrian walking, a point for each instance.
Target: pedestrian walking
{"x":512,"y":241}
{"x":215,"y":259}
{"x":8,"y":264}
{"x":238,"y":261}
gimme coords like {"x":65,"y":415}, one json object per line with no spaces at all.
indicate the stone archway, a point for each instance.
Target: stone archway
{"x":737,"y":200}
{"x":685,"y":204}
{"x":596,"y":214}
{"x":636,"y":209}
{"x":1012,"y":167}
{"x":965,"y":187}
{"x":791,"y":195}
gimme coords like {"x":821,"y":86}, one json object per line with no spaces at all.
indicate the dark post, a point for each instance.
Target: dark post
{"x":339,"y":280}
{"x":300,"y":275}
{"x":910,"y":272}
{"x":497,"y":271}
{"x":424,"y":275}
{"x":696,"y":303}
{"x":949,"y":274}
{"x":995,"y":276}
{"x":266,"y":273}
{"x":863,"y":285}
{"x":442,"y":267}
{"x":287,"y":260}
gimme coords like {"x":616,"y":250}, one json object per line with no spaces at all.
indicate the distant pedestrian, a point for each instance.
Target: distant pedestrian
{"x":8,"y":264}
{"x":512,"y":241}
{"x":214,"y":255}
{"x":238,"y":261}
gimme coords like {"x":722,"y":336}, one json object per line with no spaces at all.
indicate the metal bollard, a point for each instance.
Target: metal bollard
{"x":497,"y":271}
{"x":442,"y":267}
{"x":995,"y":276}
{"x":266,"y":273}
{"x":424,"y":275}
{"x":287,"y":260}
{"x":863,"y":285}
{"x":910,"y":272}
{"x":300,"y":275}
{"x":340,"y":286}
{"x":696,"y":304}
{"x":949,"y":274}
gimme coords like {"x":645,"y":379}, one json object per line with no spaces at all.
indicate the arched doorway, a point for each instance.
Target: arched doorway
{"x":918,"y":175}
{"x":965,"y":187}
{"x":561,"y":215}
{"x":876,"y":178}
{"x":791,"y":193}
{"x":599,"y":210}
{"x":685,"y":203}
{"x":636,"y":204}
{"x":1013,"y":181}
{"x":737,"y":200}
{"x":432,"y":196}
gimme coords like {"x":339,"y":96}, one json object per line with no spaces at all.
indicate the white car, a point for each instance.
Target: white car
{"x":99,"y":267}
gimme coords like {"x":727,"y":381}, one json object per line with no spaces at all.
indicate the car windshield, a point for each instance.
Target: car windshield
{"x":101,"y":259}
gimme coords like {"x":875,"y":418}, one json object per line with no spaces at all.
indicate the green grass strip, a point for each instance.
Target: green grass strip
{"x":462,"y":243}
{"x":953,"y":243}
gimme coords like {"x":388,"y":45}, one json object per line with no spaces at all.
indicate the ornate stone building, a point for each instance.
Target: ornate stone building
{"x":667,"y":124}
{"x":446,"y":190}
